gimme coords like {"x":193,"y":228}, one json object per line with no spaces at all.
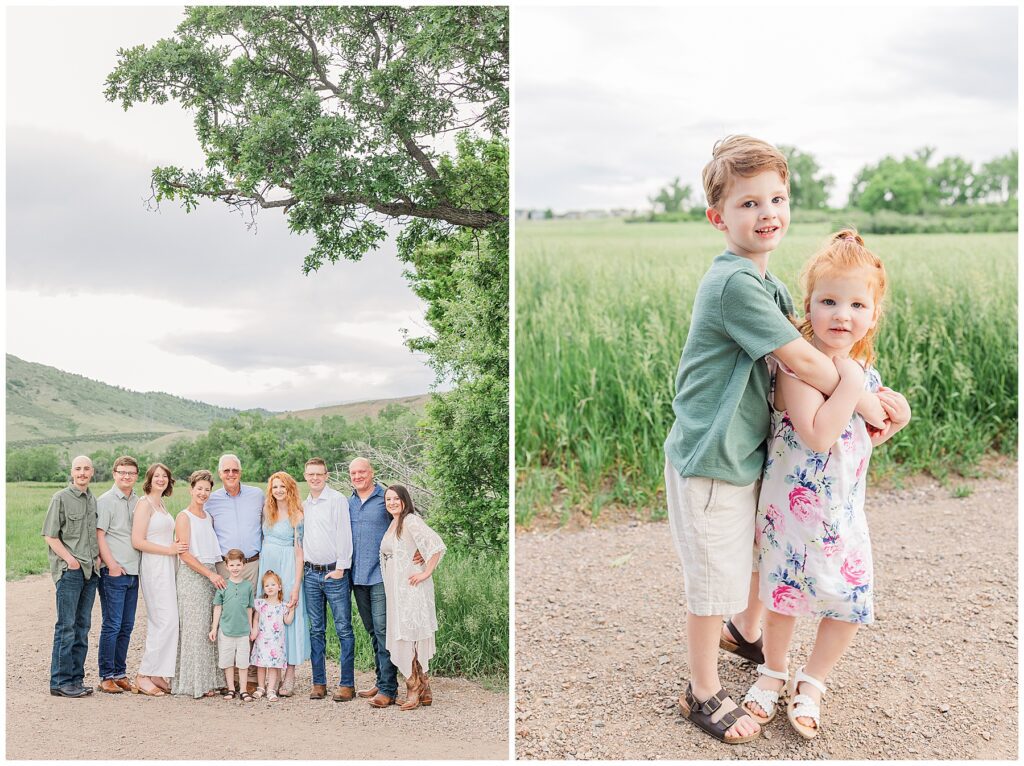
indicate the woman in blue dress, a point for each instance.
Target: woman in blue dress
{"x":282,"y":552}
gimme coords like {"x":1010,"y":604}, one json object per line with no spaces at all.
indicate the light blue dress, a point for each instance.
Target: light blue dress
{"x":278,"y":553}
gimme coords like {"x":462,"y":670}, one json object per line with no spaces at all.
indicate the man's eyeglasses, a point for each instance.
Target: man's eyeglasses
{"x":232,"y":470}
{"x":316,"y":475}
{"x":126,"y":473}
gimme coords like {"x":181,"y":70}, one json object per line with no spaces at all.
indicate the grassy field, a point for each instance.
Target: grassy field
{"x":471,"y":590}
{"x":602,"y":313}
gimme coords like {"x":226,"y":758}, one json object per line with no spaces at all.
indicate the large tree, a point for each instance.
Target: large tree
{"x":346,"y":117}
{"x":337,"y":116}
{"x":809,"y":187}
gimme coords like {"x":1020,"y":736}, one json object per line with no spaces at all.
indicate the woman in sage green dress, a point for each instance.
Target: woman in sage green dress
{"x":197,"y":674}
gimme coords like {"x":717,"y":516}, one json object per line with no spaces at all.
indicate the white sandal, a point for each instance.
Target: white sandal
{"x":766,"y":699}
{"x":802,"y":706}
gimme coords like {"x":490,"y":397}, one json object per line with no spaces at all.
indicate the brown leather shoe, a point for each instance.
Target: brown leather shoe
{"x":367,"y":693}
{"x":344,"y":694}
{"x":426,"y":696}
{"x":382,"y":700}
{"x":109,"y":686}
{"x":319,"y":692}
{"x":124,"y":683}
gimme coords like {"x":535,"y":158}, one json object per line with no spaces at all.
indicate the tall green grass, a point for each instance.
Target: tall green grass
{"x":602,"y":313}
{"x":471,"y":592}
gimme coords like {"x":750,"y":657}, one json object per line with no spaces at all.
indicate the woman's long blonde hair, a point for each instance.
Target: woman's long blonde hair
{"x":845,"y":251}
{"x":271,"y":512}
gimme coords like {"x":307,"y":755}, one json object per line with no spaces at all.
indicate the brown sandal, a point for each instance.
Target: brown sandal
{"x":751,"y":651}
{"x":701,"y":712}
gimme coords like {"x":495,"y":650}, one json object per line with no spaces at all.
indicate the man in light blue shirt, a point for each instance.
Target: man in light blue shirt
{"x":236,"y":511}
{"x":370,"y":520}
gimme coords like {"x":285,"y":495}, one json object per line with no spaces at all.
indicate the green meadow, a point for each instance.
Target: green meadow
{"x":471,"y":590}
{"x":602,"y":314}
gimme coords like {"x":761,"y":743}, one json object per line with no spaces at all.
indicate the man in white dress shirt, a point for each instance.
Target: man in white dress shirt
{"x":327,"y":555}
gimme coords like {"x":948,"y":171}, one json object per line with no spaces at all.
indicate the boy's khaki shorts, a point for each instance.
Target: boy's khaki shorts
{"x":712,"y":525}
{"x":232,"y":651}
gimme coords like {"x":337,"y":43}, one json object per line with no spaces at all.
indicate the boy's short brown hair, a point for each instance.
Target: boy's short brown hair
{"x":740,"y":156}
{"x":126,"y":460}
{"x":235,"y":555}
{"x":316,"y":461}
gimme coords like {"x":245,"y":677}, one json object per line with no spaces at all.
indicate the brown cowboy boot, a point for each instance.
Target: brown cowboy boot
{"x":426,"y":696}
{"x":412,"y":686}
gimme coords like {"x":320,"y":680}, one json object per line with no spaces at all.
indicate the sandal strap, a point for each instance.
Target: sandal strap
{"x":766,"y":699}
{"x":805,"y":707}
{"x":802,"y":678}
{"x":778,"y":675}
{"x":700,"y":713}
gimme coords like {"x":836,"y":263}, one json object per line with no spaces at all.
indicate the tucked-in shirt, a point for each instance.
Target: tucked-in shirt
{"x":71,"y":518}
{"x":237,"y":519}
{"x":721,"y":401}
{"x":114,"y":514}
{"x":370,"y":520}
{"x":328,"y":530}
{"x":235,"y":599}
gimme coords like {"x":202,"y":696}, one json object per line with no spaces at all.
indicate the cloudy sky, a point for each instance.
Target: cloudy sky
{"x":612,"y":103}
{"x":193,"y":304}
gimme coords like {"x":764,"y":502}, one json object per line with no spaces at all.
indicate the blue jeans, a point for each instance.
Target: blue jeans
{"x":320,"y":591}
{"x":118,"y":598}
{"x":373,"y":610}
{"x":75,"y":597}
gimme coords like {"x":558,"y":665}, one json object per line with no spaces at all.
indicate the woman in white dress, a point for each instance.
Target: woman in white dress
{"x":153,"y":534}
{"x":409,"y":587}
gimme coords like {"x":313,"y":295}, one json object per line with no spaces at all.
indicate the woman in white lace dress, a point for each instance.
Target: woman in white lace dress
{"x":412,"y":620}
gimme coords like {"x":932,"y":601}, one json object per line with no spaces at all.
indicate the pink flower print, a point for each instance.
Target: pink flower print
{"x":789,"y":600}
{"x":805,"y":505}
{"x":832,"y":548}
{"x":860,"y":468}
{"x":854,"y":569}
{"x":774,"y":517}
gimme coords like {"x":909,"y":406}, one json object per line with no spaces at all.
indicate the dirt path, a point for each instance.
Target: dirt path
{"x":600,"y":650}
{"x":466,"y":721}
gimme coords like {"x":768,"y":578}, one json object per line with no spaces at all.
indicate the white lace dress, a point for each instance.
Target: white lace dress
{"x":412,"y":620}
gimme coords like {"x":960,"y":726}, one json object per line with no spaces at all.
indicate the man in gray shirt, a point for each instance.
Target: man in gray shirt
{"x":119,"y":574}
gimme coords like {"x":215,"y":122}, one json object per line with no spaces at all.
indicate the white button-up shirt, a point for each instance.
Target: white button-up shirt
{"x":327,"y":531}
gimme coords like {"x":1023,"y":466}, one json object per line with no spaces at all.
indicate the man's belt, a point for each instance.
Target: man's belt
{"x":320,"y":567}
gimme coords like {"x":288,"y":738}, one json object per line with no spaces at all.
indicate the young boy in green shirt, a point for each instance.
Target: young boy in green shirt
{"x":715,"y":451}
{"x":235,"y":604}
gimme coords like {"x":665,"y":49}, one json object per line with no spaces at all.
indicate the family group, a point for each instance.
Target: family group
{"x":776,"y":418}
{"x":240,"y":581}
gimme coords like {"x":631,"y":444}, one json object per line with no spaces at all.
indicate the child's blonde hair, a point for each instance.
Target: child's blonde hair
{"x":740,"y":156}
{"x":280,"y":585}
{"x":845,"y":251}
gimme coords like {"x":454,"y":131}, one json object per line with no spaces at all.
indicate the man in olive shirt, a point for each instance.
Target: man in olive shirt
{"x":70,"y":530}
{"x":119,"y":574}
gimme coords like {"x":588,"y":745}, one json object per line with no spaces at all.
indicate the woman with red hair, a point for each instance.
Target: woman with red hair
{"x":282,"y":552}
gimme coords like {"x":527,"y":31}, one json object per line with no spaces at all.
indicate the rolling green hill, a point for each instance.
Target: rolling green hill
{"x":357,"y":410}
{"x":49,"y":406}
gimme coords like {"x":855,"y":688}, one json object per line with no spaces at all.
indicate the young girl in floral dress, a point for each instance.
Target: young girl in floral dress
{"x":268,"y":650}
{"x":812,"y":534}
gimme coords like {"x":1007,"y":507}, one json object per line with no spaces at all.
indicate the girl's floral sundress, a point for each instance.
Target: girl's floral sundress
{"x":812,"y":534}
{"x":268,"y":648}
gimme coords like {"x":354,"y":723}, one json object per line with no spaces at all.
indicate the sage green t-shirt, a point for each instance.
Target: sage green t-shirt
{"x":721,"y":401}
{"x":236,"y":598}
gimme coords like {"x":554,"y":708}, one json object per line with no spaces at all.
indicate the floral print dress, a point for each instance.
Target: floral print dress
{"x":268,"y":649}
{"x":812,"y":534}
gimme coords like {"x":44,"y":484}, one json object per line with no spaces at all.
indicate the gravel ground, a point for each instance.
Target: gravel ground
{"x":466,"y":721}
{"x":601,"y":652}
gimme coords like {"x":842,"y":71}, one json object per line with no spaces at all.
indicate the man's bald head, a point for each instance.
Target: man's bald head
{"x":81,"y":472}
{"x":360,"y":472}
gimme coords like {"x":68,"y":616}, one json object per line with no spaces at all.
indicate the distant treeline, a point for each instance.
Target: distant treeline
{"x":263,"y":444}
{"x":912,"y":195}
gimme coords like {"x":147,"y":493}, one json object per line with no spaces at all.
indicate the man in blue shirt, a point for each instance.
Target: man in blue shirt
{"x":370,"y":520}
{"x":236,"y":511}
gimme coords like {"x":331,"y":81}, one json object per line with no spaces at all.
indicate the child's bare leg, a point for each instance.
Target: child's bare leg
{"x":778,"y":635}
{"x":273,"y":679}
{"x":229,"y":679}
{"x":261,"y":677}
{"x":702,"y":654}
{"x":833,"y":639}
{"x":748,"y":622}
